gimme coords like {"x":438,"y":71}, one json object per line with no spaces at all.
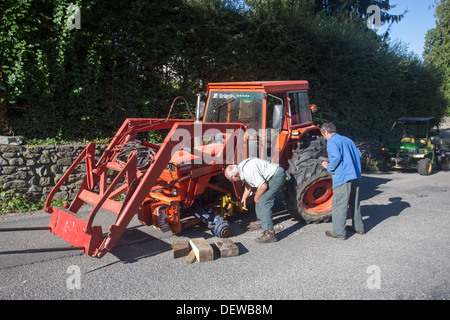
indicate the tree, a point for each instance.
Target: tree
{"x":81,"y":83}
{"x":437,"y":46}
{"x":132,"y":58}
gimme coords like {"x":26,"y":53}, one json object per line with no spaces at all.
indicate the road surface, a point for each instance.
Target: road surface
{"x":404,"y":255}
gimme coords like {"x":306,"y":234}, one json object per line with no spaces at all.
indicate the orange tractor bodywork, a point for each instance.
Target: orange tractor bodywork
{"x":180,"y":182}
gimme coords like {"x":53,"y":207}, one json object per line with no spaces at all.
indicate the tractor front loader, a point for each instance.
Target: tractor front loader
{"x":141,"y":185}
{"x":180,"y":182}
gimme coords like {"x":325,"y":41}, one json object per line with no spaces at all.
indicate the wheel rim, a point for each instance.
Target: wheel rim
{"x":429,"y":167}
{"x":318,"y":197}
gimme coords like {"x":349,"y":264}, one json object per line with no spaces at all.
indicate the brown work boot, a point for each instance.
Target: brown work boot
{"x":352,"y":229}
{"x":331,"y":234}
{"x":267,"y":237}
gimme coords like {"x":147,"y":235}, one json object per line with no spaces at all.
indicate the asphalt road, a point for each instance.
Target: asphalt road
{"x":404,"y":255}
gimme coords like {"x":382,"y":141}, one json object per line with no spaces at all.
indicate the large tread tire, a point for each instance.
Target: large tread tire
{"x":309,"y":190}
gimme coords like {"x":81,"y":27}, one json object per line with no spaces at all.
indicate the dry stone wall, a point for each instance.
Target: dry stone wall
{"x":370,"y":151}
{"x":34,"y":170}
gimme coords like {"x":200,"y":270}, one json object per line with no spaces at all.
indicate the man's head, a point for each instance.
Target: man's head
{"x":232,"y":173}
{"x":327,"y":129}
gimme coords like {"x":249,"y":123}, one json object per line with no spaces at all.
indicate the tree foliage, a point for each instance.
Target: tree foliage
{"x":437,"y":45}
{"x":131,"y":59}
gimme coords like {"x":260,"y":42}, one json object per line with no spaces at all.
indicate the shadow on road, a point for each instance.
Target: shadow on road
{"x":136,"y":244}
{"x":370,"y":186}
{"x":377,"y":213}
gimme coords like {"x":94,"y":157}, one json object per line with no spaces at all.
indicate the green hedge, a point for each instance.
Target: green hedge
{"x":132,"y":58}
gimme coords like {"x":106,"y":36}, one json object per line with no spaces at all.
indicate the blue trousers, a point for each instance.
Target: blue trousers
{"x":264,"y":206}
{"x":346,"y":196}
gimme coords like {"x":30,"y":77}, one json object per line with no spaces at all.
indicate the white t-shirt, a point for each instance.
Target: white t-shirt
{"x":256,"y":171}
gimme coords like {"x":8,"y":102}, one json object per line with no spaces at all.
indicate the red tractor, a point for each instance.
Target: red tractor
{"x":180,"y":182}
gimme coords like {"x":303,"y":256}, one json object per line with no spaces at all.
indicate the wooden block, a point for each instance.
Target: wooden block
{"x":190,"y":257}
{"x":202,"y":250}
{"x":227,"y":247}
{"x":180,"y":249}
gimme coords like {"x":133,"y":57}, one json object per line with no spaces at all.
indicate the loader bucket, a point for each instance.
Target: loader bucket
{"x":73,"y":230}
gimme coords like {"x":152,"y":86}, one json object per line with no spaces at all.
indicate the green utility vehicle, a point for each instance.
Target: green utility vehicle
{"x":414,"y":143}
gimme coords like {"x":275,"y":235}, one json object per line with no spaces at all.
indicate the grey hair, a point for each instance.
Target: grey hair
{"x":231,"y":171}
{"x":329,"y":127}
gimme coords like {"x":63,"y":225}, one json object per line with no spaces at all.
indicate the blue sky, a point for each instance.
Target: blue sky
{"x":411,"y":30}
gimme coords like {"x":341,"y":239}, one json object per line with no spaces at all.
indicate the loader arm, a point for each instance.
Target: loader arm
{"x":162,"y":158}
{"x":138,"y":183}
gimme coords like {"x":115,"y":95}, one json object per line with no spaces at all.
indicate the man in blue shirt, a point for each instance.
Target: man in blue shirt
{"x":345,"y":167}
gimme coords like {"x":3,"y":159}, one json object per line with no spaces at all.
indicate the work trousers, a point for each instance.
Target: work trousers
{"x":346,"y":196}
{"x":264,"y":206}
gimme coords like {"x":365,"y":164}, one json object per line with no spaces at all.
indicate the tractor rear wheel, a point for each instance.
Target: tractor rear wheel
{"x":309,"y":190}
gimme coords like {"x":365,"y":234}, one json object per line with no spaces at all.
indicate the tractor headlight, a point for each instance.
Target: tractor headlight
{"x":384,"y":149}
{"x":423,"y":151}
{"x":174,"y":192}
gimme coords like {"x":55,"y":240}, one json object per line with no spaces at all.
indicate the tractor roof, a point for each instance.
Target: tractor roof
{"x":267,"y":86}
{"x":406,"y":119}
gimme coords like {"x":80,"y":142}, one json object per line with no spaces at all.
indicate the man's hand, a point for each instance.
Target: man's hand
{"x":324,"y":164}
{"x":247,"y":191}
{"x":260,"y":191}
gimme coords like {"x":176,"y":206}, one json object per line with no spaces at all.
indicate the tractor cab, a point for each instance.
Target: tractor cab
{"x":272,"y":111}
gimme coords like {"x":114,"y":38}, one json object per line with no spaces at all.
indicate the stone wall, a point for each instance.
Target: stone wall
{"x":370,"y":151}
{"x":34,"y":170}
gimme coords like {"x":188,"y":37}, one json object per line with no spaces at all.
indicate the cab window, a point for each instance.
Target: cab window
{"x":299,"y":107}
{"x":227,"y":107}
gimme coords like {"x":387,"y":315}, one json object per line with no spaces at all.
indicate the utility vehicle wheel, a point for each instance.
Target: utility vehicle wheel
{"x":425,"y":167}
{"x":309,"y":191}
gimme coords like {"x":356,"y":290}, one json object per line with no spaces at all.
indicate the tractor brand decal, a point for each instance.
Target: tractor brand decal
{"x":246,"y":96}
